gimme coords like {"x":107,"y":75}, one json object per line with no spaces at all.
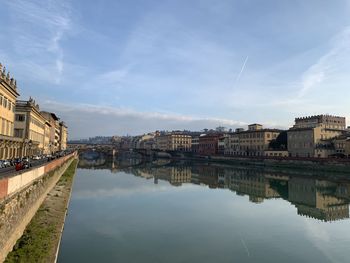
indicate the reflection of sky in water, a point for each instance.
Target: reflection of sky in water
{"x":122,"y":218}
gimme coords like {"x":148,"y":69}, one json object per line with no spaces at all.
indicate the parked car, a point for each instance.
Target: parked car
{"x":22,"y":165}
{"x":19,"y":166}
{"x":6,"y":163}
{"x":27,"y":165}
{"x":36,"y":157}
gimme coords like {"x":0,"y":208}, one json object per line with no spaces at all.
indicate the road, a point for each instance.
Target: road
{"x":12,"y":170}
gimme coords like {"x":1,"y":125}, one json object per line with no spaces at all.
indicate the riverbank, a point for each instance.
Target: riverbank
{"x":306,"y":164}
{"x":40,"y":240}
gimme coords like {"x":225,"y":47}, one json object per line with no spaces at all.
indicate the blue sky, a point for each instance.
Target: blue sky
{"x":128,"y":67}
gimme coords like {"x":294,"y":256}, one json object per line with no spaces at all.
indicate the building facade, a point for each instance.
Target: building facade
{"x":30,"y":125}
{"x":223,"y":144}
{"x":63,"y":136}
{"x":347,"y":148}
{"x":276,"y":153}
{"x":255,"y":141}
{"x":310,"y":136}
{"x":47,"y":138}
{"x":24,"y":131}
{"x":58,"y":132}
{"x":195,"y":144}
{"x":339,"y":144}
{"x":233,"y":144}
{"x":174,"y":142}
{"x":208,"y":144}
{"x":10,"y":146}
{"x":8,"y":96}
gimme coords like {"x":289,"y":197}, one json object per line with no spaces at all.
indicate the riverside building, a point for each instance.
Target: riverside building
{"x":30,"y":125}
{"x":24,"y":130}
{"x":63,"y":136}
{"x":309,"y":137}
{"x":255,"y":141}
{"x":10,"y":147}
{"x":174,"y":142}
{"x":208,"y":144}
{"x":53,"y":120}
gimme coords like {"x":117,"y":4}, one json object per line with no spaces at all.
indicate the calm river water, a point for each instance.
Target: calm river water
{"x":188,"y":212}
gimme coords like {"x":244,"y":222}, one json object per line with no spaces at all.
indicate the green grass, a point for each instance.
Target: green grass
{"x":42,"y":233}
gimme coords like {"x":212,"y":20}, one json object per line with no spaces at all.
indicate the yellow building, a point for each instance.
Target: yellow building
{"x":57,"y":135}
{"x":63,"y":136}
{"x":233,"y":144}
{"x":174,"y":142}
{"x":340,"y":143}
{"x":53,"y":120}
{"x":30,"y":125}
{"x":309,"y":137}
{"x":10,"y":147}
{"x":47,"y":138}
{"x":255,"y":140}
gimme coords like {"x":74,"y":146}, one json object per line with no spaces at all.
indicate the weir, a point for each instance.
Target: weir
{"x":21,"y":195}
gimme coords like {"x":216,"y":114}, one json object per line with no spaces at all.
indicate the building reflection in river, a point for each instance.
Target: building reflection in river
{"x":313,"y":197}
{"x":317,"y":199}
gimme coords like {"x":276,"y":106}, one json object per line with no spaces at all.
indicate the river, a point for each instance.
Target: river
{"x":187,"y":212}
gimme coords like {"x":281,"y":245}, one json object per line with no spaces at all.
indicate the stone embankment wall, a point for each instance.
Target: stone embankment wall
{"x":323,"y":164}
{"x":21,"y":196}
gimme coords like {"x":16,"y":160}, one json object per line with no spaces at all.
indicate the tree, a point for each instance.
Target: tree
{"x":280,"y":143}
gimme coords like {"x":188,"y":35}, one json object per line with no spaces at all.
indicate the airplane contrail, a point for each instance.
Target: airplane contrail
{"x":242,"y":69}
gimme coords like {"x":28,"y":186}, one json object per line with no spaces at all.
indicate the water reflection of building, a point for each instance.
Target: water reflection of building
{"x":175,"y":175}
{"x":317,"y":199}
{"x":206,"y":175}
{"x":256,"y":186}
{"x":144,"y":172}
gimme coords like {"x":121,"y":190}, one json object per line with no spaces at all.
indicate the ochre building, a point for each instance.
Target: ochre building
{"x":255,"y":141}
{"x":309,"y":137}
{"x":30,"y":125}
{"x":10,"y":147}
{"x":174,"y":142}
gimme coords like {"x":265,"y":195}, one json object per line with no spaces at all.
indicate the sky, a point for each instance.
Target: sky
{"x":117,"y":67}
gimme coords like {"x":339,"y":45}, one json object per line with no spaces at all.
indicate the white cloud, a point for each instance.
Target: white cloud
{"x":329,"y":66}
{"x":89,"y":120}
{"x":37,"y":29}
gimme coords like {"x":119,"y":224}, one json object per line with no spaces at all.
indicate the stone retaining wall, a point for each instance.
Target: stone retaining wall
{"x":21,"y":196}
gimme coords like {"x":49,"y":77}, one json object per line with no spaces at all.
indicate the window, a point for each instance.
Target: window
{"x":19,"y":133}
{"x":20,"y":117}
{"x":8,"y":127}
{"x":5,"y":102}
{"x":2,"y":126}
